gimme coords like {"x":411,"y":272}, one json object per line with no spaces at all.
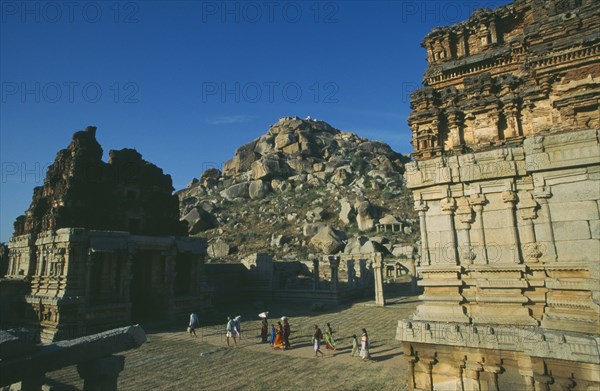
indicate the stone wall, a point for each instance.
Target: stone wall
{"x":512,"y":261}
{"x":507,"y":186}
{"x":80,"y":281}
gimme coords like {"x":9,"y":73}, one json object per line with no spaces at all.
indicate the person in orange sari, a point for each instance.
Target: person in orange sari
{"x":278,"y":344}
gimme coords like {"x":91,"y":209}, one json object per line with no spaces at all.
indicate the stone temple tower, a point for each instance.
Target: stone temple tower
{"x":506,"y":181}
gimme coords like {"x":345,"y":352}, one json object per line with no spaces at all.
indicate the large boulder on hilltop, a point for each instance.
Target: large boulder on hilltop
{"x":347,"y":211}
{"x":240,"y":190}
{"x":264,"y":145}
{"x":364,"y":215}
{"x":311,"y":229}
{"x":258,"y":189}
{"x":199,"y":220}
{"x":300,"y":166}
{"x":354,"y":244}
{"x":284,"y":139}
{"x":371,"y":246}
{"x":327,"y":241}
{"x":341,"y":177}
{"x":242,"y":161}
{"x":267,"y":168}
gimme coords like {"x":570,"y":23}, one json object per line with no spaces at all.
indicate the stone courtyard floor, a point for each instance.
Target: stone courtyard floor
{"x":171,"y":359}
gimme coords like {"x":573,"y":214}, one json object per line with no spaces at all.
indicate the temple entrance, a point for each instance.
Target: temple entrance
{"x":147,"y":287}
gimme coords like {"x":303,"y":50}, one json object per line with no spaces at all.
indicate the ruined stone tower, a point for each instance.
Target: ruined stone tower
{"x":506,"y":181}
{"x":100,"y":247}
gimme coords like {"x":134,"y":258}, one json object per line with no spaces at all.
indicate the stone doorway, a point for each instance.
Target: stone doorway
{"x":147,"y":286}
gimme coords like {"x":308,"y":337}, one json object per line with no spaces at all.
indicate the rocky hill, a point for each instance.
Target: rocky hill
{"x":302,"y":188}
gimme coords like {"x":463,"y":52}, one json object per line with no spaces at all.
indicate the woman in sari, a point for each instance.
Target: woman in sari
{"x":329,"y":341}
{"x":272,"y":336}
{"x":278,"y":344}
{"x":364,"y":348}
{"x":264,"y":329}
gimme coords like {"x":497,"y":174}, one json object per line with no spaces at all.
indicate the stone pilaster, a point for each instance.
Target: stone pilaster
{"x":316,"y":276}
{"x":421,"y":207}
{"x":334,"y":264}
{"x":378,"y":266}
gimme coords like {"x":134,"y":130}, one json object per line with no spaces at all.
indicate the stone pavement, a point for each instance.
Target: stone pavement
{"x":171,"y":359}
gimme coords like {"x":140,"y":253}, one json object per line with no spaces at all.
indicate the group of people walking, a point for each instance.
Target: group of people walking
{"x":279,"y":336}
{"x":330,"y":342}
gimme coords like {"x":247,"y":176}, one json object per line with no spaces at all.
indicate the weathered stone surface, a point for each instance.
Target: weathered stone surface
{"x":218,"y":249}
{"x":80,"y":190}
{"x":267,"y":168}
{"x":327,"y":240}
{"x":258,"y":189}
{"x":66,"y":353}
{"x":240,"y":190}
{"x":507,"y":197}
{"x":341,"y":177}
{"x":311,"y":229}
{"x":347,"y":211}
{"x":364,"y":215}
{"x":199,"y":220}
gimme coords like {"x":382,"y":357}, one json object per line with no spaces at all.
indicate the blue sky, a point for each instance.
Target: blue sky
{"x":186,"y":82}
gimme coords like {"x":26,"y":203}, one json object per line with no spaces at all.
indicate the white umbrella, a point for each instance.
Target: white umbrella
{"x":263,"y":314}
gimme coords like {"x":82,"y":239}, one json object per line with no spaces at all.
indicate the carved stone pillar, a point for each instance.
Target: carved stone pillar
{"x":101,"y":374}
{"x":421,"y":207}
{"x":315,"y":273}
{"x":493,"y":371}
{"x":334,"y":263}
{"x":410,"y":360}
{"x":428,"y":362}
{"x":509,"y":198}
{"x":542,"y":195}
{"x":464,"y":214}
{"x":89,"y":263}
{"x":477,"y":201}
{"x":448,"y":248}
{"x":542,"y":382}
{"x":527,"y":212}
{"x":455,"y":122}
{"x":471,"y":376}
{"x":378,"y":266}
{"x":169,"y":279}
{"x":511,"y":113}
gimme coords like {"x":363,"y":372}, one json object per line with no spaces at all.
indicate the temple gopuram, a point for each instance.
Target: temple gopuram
{"x":101,"y":246}
{"x":506,"y":181}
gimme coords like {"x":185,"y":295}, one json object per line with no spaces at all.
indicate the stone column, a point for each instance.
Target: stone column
{"x":527,"y":212}
{"x":88,"y":275}
{"x":493,"y":370}
{"x":478,"y":200}
{"x":542,"y":195}
{"x":428,"y":362}
{"x":378,"y":266}
{"x":169,"y":279}
{"x":471,"y":376}
{"x":410,"y":360}
{"x":448,"y":248}
{"x":421,"y":207}
{"x":334,"y":263}
{"x":542,"y":382}
{"x":316,"y":273}
{"x":464,"y":213}
{"x":509,"y":198}
{"x":101,"y":374}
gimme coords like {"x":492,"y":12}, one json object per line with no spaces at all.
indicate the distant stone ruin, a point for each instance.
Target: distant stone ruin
{"x":506,"y":137}
{"x":100,"y":247}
